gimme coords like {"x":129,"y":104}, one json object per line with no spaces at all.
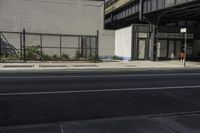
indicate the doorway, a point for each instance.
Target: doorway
{"x":171,"y":52}
{"x":174,"y":47}
{"x":141,"y":49}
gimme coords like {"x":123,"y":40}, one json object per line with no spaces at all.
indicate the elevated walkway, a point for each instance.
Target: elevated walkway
{"x":154,"y":10}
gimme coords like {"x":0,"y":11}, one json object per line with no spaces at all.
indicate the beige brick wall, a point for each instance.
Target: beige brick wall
{"x":58,"y":17}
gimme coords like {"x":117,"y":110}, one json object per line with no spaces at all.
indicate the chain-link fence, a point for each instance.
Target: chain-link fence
{"x":23,"y":46}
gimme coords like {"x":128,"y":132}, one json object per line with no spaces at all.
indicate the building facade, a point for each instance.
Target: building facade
{"x":56,"y":17}
{"x":154,"y":27}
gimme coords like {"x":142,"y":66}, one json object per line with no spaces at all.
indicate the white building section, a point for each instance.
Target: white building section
{"x":123,"y":43}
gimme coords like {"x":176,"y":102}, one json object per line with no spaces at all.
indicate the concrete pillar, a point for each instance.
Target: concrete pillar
{"x":156,"y":41}
{"x":152,"y":40}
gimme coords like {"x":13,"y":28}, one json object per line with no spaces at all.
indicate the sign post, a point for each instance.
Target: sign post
{"x":184,"y":30}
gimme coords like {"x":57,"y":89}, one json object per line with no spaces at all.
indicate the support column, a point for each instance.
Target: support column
{"x":152,"y":43}
{"x":154,"y":38}
{"x":156,"y":42}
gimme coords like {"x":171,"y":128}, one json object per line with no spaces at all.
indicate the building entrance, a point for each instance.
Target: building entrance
{"x":174,"y":48}
{"x":141,"y":49}
{"x":170,"y":49}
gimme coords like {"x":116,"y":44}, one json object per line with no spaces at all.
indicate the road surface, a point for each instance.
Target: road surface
{"x":47,"y":97}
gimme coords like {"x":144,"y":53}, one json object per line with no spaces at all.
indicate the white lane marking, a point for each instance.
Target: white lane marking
{"x":100,"y":90}
{"x":173,"y":114}
{"x":96,"y":76}
{"x":61,"y":126}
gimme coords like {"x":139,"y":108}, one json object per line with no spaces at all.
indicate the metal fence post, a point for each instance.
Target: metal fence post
{"x":0,"y":48}
{"x":86,"y":48}
{"x":41,"y":49}
{"x":90,"y":46}
{"x":97,"y":46}
{"x":21,"y":53}
{"x":82,"y":46}
{"x":24,"y":44}
{"x":79,"y":45}
{"x":60,"y":47}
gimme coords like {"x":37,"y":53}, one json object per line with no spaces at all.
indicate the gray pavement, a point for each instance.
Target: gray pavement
{"x":188,"y":123}
{"x":101,"y":65}
{"x":44,"y":97}
{"x":125,"y":101}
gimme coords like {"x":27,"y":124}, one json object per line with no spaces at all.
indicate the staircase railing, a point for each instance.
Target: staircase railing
{"x":12,"y":48}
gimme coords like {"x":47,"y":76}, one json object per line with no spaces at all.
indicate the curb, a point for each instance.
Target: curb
{"x":50,"y":65}
{"x":17,"y":66}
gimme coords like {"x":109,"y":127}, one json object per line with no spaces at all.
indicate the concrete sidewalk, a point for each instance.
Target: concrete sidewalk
{"x":101,"y":65}
{"x":142,"y":124}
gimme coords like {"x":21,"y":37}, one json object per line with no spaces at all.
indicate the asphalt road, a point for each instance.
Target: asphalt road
{"x":45,"y":97}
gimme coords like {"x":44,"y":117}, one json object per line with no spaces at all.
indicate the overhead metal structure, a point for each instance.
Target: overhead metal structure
{"x":164,"y":10}
{"x":163,"y":18}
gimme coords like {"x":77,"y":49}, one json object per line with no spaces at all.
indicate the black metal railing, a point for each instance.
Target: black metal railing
{"x":25,"y":46}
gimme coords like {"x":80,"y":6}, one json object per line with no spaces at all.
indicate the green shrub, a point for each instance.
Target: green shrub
{"x":9,"y":57}
{"x":94,"y":58}
{"x":77,"y":55}
{"x":65,"y":57}
{"x":55,"y":57}
{"x":33,"y":53}
{"x":46,"y":57}
{"x":2,"y":59}
{"x":117,"y":58}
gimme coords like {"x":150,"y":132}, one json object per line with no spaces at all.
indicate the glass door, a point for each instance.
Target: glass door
{"x":171,"y":49}
{"x":141,"y":49}
{"x":178,"y":49}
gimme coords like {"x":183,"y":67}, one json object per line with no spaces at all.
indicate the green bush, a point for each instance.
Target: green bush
{"x":55,"y":57}
{"x":3,"y":60}
{"x":65,"y":57}
{"x":117,"y":58}
{"x":33,"y":53}
{"x":94,"y":58}
{"x":77,"y":55}
{"x":9,"y":57}
{"x":46,"y":57}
